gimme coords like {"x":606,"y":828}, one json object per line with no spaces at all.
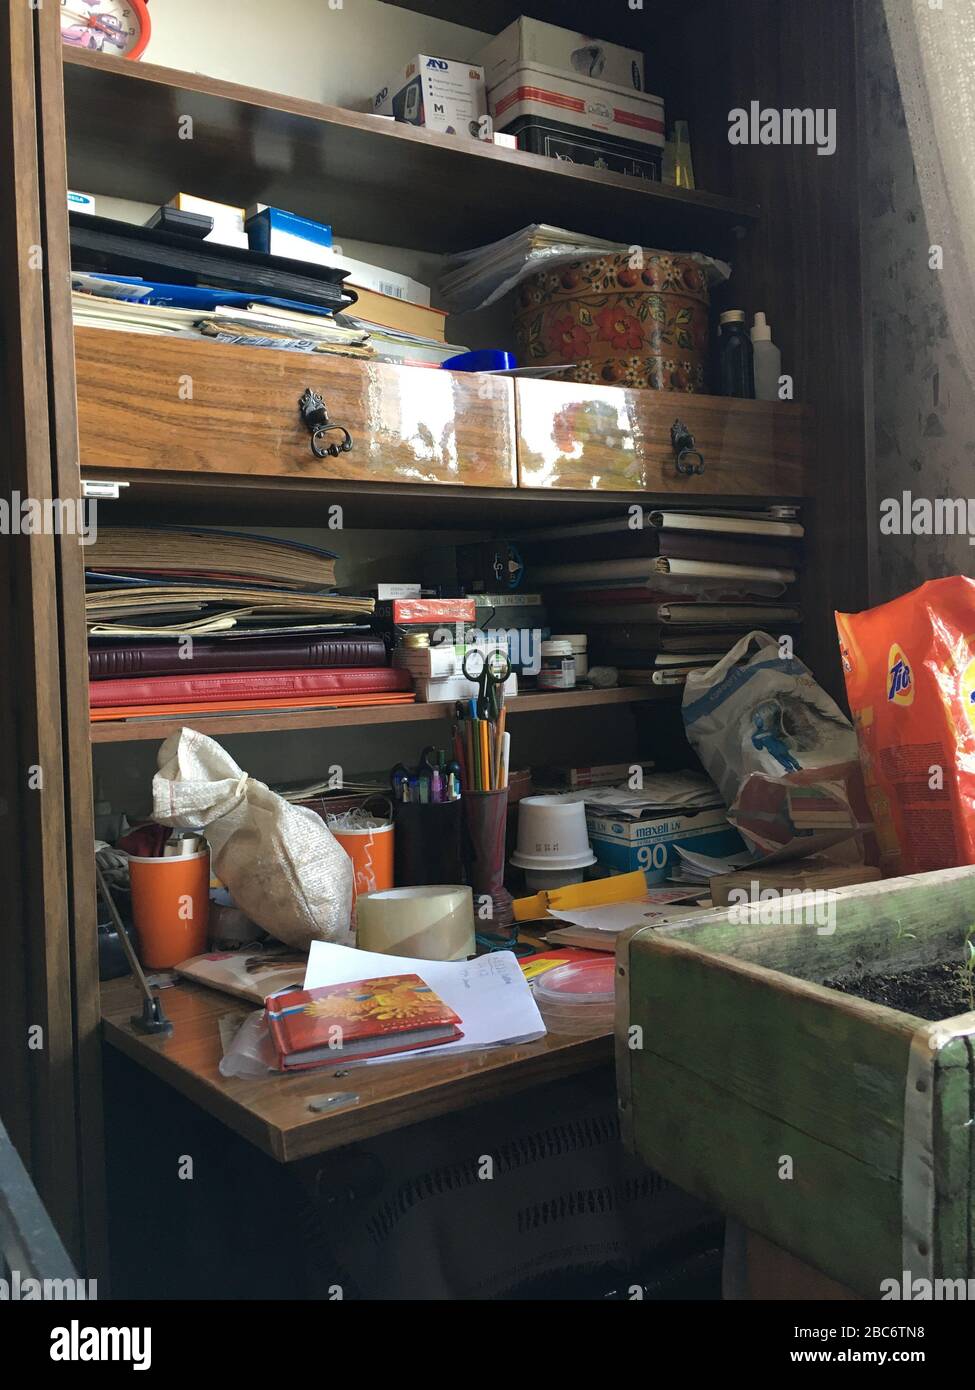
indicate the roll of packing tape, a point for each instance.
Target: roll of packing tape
{"x":432,"y":922}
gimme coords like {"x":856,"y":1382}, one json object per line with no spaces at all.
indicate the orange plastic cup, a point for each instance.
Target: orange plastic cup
{"x":170,"y":907}
{"x":371,"y":852}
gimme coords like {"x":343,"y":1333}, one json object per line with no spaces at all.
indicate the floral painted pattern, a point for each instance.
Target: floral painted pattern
{"x":623,"y":319}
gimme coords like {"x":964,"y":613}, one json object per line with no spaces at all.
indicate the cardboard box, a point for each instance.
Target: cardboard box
{"x":563,"y":778}
{"x":424,"y":612}
{"x":363,"y":276}
{"x":440,"y":94}
{"x":228,"y":221}
{"x":555,"y":140}
{"x":283,"y":233}
{"x":595,"y":107}
{"x":435,"y":663}
{"x":623,"y":844}
{"x":563,"y":50}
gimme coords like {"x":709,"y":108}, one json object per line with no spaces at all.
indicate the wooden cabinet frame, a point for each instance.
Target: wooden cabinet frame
{"x":800,"y":260}
{"x":49,"y":1088}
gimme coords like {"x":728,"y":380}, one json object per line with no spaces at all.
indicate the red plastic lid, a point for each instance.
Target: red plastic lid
{"x":578,"y":981}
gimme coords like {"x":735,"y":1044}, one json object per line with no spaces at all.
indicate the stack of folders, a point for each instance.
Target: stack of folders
{"x":674,"y":593}
{"x":147,"y":280}
{"x":193,"y":621}
{"x":181,"y":310}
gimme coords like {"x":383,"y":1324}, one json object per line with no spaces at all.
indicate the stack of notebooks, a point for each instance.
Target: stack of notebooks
{"x":147,"y":280}
{"x":401,"y":331}
{"x":181,"y":310}
{"x":191,"y":621}
{"x":674,"y":594}
{"x":141,"y":280}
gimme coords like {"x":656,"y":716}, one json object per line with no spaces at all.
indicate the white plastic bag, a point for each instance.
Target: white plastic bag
{"x":283,"y":866}
{"x":756,"y":711}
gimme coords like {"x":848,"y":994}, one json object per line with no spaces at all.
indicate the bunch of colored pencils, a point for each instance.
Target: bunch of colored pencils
{"x":482,"y":748}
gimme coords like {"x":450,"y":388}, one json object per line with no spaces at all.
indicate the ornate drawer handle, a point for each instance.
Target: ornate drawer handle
{"x":314,"y":413}
{"x":690,"y":460}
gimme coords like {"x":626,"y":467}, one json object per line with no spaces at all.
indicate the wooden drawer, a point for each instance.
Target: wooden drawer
{"x":195,"y":406}
{"x":616,"y":440}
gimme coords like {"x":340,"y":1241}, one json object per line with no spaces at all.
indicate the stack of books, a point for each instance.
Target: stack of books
{"x":150,"y":280}
{"x":186,"y":620}
{"x":674,"y":593}
{"x":401,"y":331}
{"x":182,"y":310}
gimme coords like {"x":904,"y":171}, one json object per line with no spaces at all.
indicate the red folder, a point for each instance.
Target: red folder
{"x":247,"y":685}
{"x":183,"y":708}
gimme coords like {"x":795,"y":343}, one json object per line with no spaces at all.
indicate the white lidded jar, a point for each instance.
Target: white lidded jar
{"x":767,"y":359}
{"x":579,"y":642}
{"x":558,"y":666}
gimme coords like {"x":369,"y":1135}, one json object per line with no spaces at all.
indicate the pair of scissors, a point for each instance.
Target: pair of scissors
{"x":490,"y":670}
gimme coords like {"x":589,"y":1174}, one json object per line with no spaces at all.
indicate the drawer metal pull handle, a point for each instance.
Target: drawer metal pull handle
{"x":314,"y":413}
{"x":690,"y":460}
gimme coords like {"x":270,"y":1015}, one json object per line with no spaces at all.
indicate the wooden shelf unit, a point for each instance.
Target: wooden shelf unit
{"x":150,"y":729}
{"x":250,"y":145}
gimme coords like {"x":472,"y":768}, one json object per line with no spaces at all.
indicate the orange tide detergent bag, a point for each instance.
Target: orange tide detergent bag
{"x":910,"y":678}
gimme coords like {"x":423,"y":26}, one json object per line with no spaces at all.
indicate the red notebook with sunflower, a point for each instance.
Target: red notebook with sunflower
{"x":368,"y":1018}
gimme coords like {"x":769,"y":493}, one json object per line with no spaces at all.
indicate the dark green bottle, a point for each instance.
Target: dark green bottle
{"x":736,"y":363}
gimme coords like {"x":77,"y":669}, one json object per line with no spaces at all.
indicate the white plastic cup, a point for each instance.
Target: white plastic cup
{"x":544,"y":880}
{"x":552,"y":834}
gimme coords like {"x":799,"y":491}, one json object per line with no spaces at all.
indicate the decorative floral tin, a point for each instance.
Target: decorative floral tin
{"x":629,"y":318}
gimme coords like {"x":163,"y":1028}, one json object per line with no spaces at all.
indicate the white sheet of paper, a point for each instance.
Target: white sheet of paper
{"x":490,"y":993}
{"x":713,"y":867}
{"x":616,"y":917}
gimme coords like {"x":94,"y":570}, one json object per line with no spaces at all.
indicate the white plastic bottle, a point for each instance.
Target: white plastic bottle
{"x":768,"y":361}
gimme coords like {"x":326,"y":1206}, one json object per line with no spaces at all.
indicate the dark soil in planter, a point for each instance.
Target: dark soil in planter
{"x":933,"y":992}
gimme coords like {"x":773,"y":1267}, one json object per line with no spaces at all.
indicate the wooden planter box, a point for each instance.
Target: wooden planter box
{"x":746,"y":1061}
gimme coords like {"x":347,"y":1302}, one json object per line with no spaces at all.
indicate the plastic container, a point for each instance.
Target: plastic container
{"x":579,"y":643}
{"x":542,"y":880}
{"x":558,"y":668}
{"x":579,"y":996}
{"x":371,"y":850}
{"x":484,"y":360}
{"x":768,"y":361}
{"x":552,"y":834}
{"x":170,"y":907}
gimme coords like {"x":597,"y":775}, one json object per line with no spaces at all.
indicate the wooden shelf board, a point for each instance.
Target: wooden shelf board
{"x":239,"y":499}
{"x":150,"y":729}
{"x":320,"y":161}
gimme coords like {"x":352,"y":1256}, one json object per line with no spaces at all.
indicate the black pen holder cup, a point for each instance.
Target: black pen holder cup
{"x":427,"y":843}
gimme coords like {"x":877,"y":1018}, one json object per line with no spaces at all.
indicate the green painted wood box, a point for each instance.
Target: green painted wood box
{"x":837,"y":1128}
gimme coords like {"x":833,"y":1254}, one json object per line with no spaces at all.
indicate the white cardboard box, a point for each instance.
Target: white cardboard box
{"x":228,"y":221}
{"x":621,"y":844}
{"x":587,"y":105}
{"x":439,"y":94}
{"x":561,"y":50}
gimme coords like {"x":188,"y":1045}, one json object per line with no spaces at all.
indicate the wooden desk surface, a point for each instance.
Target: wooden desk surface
{"x":272,"y":1112}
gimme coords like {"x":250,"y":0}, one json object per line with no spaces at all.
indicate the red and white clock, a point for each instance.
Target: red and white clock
{"x":121,"y":27}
